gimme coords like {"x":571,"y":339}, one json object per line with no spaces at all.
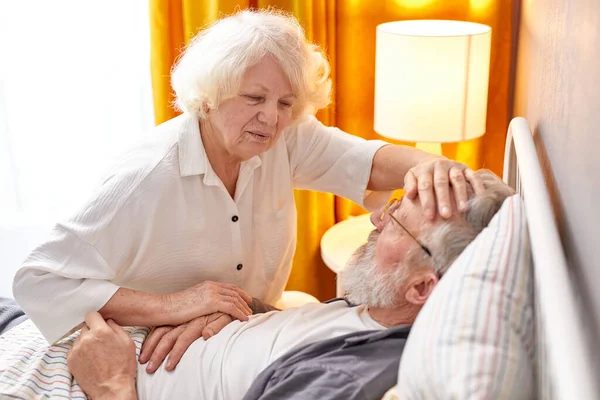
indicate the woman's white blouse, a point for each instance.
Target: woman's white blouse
{"x":162,"y":221}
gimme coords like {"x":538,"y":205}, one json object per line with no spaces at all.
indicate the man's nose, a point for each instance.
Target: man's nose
{"x":376,"y":220}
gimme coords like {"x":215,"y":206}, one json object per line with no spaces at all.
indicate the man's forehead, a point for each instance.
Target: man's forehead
{"x":408,"y":213}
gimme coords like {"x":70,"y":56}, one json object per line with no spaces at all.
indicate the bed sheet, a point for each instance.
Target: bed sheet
{"x":32,"y":369}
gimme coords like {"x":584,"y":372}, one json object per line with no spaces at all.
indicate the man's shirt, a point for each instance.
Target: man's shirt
{"x":225,"y":366}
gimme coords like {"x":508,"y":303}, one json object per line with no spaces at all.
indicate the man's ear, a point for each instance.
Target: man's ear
{"x":421,"y":286}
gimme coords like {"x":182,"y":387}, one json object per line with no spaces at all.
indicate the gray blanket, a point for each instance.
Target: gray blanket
{"x":10,"y":314}
{"x":357,"y":366}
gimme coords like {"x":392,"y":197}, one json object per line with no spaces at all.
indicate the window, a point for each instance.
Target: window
{"x":75,"y":92}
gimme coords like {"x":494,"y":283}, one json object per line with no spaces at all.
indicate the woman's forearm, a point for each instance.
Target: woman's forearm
{"x":391,"y":163}
{"x":130,"y":307}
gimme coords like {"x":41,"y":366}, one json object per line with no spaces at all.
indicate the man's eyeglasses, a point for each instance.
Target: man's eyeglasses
{"x":388,"y":211}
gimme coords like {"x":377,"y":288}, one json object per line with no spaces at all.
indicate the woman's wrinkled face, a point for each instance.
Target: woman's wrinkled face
{"x":251,"y":121}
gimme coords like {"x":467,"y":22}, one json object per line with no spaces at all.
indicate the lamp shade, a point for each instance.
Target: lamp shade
{"x":431,"y":80}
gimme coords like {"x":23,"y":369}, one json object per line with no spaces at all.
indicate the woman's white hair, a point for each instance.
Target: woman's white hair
{"x":210,"y":69}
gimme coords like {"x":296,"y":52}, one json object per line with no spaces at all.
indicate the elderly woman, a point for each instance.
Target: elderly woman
{"x":188,"y":228}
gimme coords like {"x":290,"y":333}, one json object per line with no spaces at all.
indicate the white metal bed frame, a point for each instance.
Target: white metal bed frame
{"x":564,"y":369}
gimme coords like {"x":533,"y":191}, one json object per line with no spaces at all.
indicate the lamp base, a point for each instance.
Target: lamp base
{"x":433,"y":148}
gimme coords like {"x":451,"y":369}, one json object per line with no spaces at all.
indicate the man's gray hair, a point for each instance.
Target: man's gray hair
{"x":448,"y":240}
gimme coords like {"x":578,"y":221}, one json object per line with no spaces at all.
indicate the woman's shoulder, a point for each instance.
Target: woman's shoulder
{"x":138,"y":181}
{"x":159,"y":145}
{"x":155,"y":154}
{"x":310,"y":133}
{"x":307,"y":126}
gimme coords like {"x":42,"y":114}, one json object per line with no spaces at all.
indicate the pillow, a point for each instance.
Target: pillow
{"x":474,"y":337}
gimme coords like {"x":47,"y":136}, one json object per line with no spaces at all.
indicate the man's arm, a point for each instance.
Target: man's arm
{"x":102,"y":360}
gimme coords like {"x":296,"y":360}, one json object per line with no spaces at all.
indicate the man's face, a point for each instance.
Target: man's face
{"x":376,"y":273}
{"x":365,"y":283}
{"x":395,"y":241}
{"x":379,"y":272}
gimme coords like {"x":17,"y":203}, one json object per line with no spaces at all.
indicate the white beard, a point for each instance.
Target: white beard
{"x":364,"y":283}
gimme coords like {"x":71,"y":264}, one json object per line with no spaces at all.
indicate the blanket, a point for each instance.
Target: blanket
{"x":32,"y":369}
{"x":10,"y":314}
{"x":357,"y":366}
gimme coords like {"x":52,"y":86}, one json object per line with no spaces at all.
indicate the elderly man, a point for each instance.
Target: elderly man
{"x":387,"y":281}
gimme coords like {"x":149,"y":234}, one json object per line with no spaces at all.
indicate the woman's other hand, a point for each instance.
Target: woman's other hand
{"x":431,"y":180}
{"x":173,"y":341}
{"x":208,"y":298}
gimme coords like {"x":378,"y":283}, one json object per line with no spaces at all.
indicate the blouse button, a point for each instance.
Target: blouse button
{"x":234,"y":218}
{"x":239,"y":267}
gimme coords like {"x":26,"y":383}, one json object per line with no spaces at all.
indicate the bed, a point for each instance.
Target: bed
{"x":564,"y":368}
{"x":562,"y":365}
{"x":503,"y":322}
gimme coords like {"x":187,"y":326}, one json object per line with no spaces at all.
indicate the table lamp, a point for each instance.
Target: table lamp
{"x":431,"y":81}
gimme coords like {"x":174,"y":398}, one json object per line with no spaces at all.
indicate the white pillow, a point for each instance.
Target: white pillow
{"x":474,"y":338}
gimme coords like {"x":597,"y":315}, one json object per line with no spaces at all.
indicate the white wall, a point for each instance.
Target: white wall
{"x":558,"y":91}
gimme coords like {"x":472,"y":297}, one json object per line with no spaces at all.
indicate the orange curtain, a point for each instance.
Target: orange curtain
{"x":346,"y":30}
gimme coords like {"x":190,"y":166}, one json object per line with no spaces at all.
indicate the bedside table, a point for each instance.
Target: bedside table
{"x":341,"y":240}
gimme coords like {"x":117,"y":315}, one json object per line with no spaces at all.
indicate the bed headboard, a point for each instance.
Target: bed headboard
{"x":564,"y":368}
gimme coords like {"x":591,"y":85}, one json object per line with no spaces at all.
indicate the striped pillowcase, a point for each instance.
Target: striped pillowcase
{"x":474,"y":337}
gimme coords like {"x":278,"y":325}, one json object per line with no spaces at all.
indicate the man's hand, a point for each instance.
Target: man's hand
{"x":102,"y":360}
{"x":173,"y":342}
{"x":432,"y":181}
